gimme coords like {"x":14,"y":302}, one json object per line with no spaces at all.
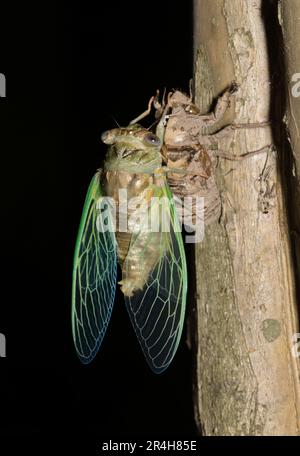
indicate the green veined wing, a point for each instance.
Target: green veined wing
{"x":94,"y":274}
{"x":157,"y":311}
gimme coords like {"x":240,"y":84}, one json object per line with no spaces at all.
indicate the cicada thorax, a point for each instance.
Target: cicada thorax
{"x":183,"y":151}
{"x":132,"y":193}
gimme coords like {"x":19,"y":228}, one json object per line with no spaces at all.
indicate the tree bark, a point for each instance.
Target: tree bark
{"x":247,"y":380}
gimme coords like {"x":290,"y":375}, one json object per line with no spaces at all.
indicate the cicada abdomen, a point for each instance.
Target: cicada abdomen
{"x":135,"y":233}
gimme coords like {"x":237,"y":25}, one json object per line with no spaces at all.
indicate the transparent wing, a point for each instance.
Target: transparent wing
{"x":94,"y":274}
{"x":157,"y":311}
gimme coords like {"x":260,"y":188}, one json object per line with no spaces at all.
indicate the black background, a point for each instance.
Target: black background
{"x":71,"y":67}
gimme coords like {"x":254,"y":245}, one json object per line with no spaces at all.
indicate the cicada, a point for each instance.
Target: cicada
{"x":152,"y":261}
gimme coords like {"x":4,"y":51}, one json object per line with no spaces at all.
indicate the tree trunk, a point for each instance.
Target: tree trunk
{"x":247,"y":378}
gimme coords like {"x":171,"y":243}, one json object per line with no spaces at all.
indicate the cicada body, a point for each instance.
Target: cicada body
{"x":129,"y":217}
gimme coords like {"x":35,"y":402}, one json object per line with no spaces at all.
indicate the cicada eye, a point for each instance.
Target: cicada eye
{"x":152,"y":139}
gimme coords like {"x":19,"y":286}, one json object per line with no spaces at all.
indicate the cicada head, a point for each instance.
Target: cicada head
{"x":179,"y":102}
{"x":132,"y":146}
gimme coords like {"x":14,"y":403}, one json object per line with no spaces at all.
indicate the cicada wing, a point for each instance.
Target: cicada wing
{"x":94,"y":274}
{"x":157,"y":311}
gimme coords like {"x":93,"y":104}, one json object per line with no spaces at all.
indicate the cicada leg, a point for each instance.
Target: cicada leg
{"x":161,"y":126}
{"x":228,"y":156}
{"x":145,"y":113}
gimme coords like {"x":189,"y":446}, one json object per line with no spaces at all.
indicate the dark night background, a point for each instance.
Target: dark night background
{"x":70,"y":68}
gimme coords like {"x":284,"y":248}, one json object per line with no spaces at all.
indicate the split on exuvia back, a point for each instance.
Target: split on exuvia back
{"x":154,"y":276}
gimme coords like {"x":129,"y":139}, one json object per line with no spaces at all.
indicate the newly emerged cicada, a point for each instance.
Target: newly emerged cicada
{"x":129,"y":217}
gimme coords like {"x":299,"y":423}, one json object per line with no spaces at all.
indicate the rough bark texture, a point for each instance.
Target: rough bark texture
{"x":247,"y":379}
